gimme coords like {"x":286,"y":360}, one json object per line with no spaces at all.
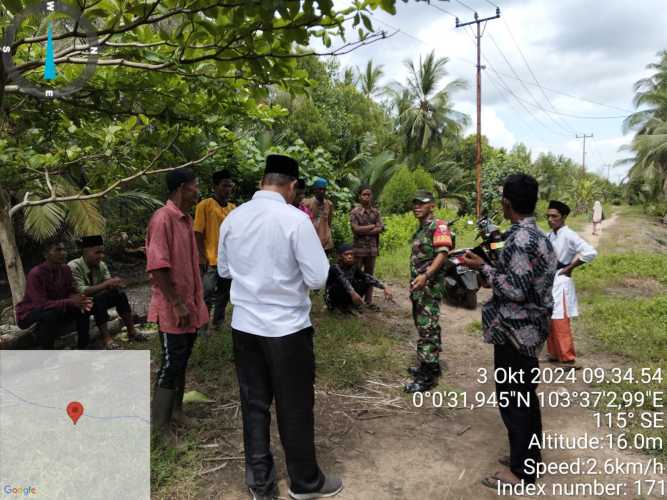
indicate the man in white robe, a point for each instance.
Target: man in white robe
{"x":572,"y":251}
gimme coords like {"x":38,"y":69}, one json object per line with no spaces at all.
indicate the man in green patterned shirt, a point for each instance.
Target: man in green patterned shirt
{"x":92,"y":278}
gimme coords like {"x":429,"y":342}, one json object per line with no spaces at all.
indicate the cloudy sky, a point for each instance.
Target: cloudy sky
{"x":585,"y":56}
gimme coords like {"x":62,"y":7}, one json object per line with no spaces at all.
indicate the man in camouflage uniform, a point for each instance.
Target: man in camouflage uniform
{"x":430,"y":245}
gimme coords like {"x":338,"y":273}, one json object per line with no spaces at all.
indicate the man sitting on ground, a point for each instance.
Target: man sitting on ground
{"x":92,"y":278}
{"x":51,"y":300}
{"x":347,"y":284}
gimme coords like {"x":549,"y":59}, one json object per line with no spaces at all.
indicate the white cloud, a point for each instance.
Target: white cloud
{"x":589,"y":49}
{"x":493,"y":127}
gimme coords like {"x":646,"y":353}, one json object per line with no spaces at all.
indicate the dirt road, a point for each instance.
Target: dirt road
{"x":386,"y":448}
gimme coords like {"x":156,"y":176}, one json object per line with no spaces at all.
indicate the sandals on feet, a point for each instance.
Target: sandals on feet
{"x":111,"y":346}
{"x":494,"y":482}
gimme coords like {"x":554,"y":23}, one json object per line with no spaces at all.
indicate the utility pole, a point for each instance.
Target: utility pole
{"x":583,"y":156}
{"x":478,"y":158}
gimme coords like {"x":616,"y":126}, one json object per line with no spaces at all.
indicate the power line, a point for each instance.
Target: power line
{"x":520,"y":101}
{"x":526,"y":87}
{"x":466,"y":6}
{"x":441,"y":9}
{"x":506,"y":75}
{"x":570,"y":115}
{"x":530,"y":70}
{"x":492,"y":4}
{"x":528,"y":128}
{"x":509,"y":90}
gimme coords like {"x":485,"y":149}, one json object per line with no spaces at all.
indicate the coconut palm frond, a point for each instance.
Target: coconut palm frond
{"x":44,"y":221}
{"x":85,"y":217}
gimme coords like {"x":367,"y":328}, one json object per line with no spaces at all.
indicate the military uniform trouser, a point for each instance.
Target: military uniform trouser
{"x":426,"y":315}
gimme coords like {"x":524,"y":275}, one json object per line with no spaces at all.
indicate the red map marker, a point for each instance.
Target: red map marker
{"x":75,"y":410}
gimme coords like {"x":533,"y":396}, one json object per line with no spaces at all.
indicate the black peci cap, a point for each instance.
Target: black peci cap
{"x":281,"y":164}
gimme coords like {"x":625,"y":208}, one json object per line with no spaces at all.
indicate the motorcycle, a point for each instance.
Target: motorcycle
{"x":492,"y":238}
{"x":461,"y":282}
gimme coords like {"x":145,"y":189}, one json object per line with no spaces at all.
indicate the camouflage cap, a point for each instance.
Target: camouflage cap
{"x":423,"y":196}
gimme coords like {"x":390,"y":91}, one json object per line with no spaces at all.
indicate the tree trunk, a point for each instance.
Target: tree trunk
{"x":10,"y":251}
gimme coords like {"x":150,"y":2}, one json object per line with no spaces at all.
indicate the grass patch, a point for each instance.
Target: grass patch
{"x":474,"y":327}
{"x":349,"y":350}
{"x":394,"y":264}
{"x":171,"y":465}
{"x":633,"y":325}
{"x":613,"y":270}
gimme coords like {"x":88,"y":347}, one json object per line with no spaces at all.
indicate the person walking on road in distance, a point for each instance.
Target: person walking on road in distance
{"x":366,"y":225}
{"x":177,"y":297}
{"x":93,"y":279}
{"x":516,"y":321}
{"x":52,"y":301}
{"x":321,"y":209}
{"x":347,"y":283}
{"x":209,"y":215}
{"x":431,"y":244}
{"x":598,"y":216}
{"x":272,"y":253}
{"x":572,"y":251}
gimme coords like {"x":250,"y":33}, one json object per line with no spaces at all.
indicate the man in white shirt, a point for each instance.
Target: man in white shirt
{"x":572,"y":251}
{"x":273,"y":255}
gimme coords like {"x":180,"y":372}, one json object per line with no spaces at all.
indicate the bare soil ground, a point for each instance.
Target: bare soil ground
{"x":385,"y":448}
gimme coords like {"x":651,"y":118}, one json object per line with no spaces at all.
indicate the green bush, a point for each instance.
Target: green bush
{"x":401,"y":227}
{"x":423,"y":180}
{"x":340,"y":228}
{"x":397,"y":194}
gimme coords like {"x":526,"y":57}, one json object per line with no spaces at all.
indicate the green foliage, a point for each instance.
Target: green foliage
{"x":624,"y":305}
{"x":340,"y":228}
{"x":423,"y":107}
{"x":401,"y":227}
{"x":399,"y":191}
{"x":647,"y":179}
{"x":423,"y":180}
{"x":612,"y":269}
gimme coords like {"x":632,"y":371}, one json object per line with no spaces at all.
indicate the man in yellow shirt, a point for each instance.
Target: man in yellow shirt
{"x":209,"y":214}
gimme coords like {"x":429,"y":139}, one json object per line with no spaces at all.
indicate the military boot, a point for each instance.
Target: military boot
{"x":178,"y":416}
{"x":426,"y":380}
{"x":162,"y":407}
{"x":421,"y":369}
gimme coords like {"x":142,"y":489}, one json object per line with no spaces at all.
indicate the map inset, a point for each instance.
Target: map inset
{"x":75,"y":425}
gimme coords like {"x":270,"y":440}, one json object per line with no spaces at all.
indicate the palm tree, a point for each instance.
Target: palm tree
{"x":430,"y":116}
{"x":648,"y":174}
{"x":369,"y":79}
{"x":349,"y":78}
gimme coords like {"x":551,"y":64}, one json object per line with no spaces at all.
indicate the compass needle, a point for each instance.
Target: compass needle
{"x":36,"y":72}
{"x":50,"y":63}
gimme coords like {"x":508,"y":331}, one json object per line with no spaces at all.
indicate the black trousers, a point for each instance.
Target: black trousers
{"x":106,"y":300}
{"x":522,"y":421}
{"x":337,"y":297}
{"x":54,"y":323}
{"x":176,"y":351}
{"x":216,"y":293}
{"x":284,"y":368}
